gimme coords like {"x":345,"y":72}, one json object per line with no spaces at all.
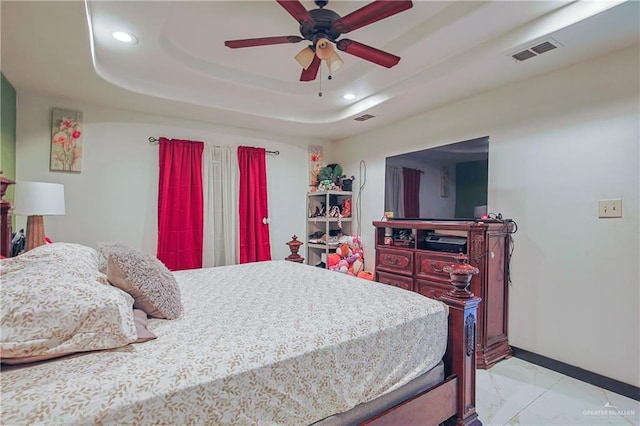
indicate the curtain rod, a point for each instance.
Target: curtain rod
{"x":156,"y":140}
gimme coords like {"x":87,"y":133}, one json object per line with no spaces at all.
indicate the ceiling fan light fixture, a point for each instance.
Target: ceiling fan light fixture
{"x":334,"y":62}
{"x":323,"y":27}
{"x":305,"y":57}
{"x":324,"y":49}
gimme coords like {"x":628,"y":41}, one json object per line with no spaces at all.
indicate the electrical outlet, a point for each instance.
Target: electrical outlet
{"x":610,"y":208}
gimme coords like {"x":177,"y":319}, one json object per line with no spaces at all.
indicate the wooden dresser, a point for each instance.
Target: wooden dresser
{"x":412,"y":254}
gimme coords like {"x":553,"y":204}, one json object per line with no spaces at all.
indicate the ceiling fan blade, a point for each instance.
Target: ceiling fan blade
{"x":298,"y":11}
{"x":312,"y":71}
{"x":263,"y":41}
{"x":368,"y":53}
{"x":373,"y":12}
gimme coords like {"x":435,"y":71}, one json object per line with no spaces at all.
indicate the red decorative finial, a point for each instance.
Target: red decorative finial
{"x":4,"y":184}
{"x":294,"y":246}
{"x":460,"y":273}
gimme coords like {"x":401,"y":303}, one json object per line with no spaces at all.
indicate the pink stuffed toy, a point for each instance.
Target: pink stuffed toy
{"x":332,"y":261}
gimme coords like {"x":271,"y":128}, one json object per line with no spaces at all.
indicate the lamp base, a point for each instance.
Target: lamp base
{"x":35,"y":232}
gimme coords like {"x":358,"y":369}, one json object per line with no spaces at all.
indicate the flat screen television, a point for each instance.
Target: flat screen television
{"x":448,"y":182}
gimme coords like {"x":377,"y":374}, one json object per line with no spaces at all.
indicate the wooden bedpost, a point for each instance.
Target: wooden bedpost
{"x":460,"y":356}
{"x":5,"y":218}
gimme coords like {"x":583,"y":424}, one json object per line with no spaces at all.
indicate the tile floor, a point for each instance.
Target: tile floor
{"x":515,"y":392}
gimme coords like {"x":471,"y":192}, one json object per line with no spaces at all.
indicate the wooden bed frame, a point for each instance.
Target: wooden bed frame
{"x":453,"y":400}
{"x":5,"y":218}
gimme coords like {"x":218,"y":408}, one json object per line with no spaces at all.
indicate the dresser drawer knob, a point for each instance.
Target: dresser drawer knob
{"x":432,"y":292}
{"x":434,"y":265}
{"x":393,"y":259}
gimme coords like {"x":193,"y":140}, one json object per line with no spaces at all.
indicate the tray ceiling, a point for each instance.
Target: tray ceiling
{"x":180,"y":66}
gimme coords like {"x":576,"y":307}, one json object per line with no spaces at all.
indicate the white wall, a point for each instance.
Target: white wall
{"x":115,"y":196}
{"x":558,"y":144}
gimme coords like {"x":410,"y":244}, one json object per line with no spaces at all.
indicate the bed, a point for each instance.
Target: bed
{"x":263,"y":343}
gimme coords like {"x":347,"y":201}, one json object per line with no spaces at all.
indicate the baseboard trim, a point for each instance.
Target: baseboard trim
{"x":613,"y":385}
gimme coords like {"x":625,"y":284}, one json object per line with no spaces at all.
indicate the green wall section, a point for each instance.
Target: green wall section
{"x":8,"y":133}
{"x":472,"y":181}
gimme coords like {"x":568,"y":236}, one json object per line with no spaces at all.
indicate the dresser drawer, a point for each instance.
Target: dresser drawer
{"x":432,"y":289}
{"x":431,"y":265}
{"x":395,"y":260}
{"x":395,"y":280}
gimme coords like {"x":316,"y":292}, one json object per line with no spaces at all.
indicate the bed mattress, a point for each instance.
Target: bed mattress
{"x":263,"y":343}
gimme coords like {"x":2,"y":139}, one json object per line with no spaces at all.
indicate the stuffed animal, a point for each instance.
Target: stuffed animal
{"x":332,"y":261}
{"x":356,"y":245}
{"x":352,"y":258}
{"x":343,"y":266}
{"x":366,"y":275}
{"x":344,"y":250}
{"x":357,"y":266}
{"x":348,"y":258}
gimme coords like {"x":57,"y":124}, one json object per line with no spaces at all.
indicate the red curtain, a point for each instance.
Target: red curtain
{"x":411,"y":183}
{"x":180,"y":204}
{"x":254,"y":234}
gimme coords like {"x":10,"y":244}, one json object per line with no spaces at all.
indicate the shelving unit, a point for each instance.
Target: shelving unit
{"x":317,"y":252}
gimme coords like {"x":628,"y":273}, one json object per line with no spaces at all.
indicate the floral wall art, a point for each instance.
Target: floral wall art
{"x":315,"y":164}
{"x":66,"y":141}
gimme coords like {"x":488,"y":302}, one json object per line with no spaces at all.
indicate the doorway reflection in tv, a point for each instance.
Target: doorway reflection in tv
{"x":448,"y":182}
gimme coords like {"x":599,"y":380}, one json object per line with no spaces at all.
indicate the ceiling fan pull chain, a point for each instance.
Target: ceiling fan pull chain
{"x":320,"y":82}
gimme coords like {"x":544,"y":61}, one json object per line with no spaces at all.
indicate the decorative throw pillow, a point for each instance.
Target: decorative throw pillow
{"x":152,"y":286}
{"x":54,"y":303}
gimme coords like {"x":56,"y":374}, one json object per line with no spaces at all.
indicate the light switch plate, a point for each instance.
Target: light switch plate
{"x":610,"y":208}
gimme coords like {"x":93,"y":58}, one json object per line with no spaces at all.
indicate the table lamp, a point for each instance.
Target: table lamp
{"x":35,"y":200}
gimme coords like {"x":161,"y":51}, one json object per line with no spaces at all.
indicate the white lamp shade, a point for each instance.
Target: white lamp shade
{"x":39,"y":199}
{"x":334,"y":62}
{"x":305,"y":57}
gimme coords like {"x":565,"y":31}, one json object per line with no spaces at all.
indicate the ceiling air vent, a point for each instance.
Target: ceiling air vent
{"x":364,"y":117}
{"x":523,"y":56}
{"x":544,"y":47}
{"x":536,"y":50}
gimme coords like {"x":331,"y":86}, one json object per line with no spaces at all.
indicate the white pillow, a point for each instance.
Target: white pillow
{"x":55,"y":302}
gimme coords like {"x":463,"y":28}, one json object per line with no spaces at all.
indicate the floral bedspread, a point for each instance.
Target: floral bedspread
{"x":263,"y":343}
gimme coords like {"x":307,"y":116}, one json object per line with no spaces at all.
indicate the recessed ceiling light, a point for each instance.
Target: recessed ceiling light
{"x":348,"y":96}
{"x":124,"y":37}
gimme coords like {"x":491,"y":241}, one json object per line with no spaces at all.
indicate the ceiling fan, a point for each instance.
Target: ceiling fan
{"x":322,"y":27}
